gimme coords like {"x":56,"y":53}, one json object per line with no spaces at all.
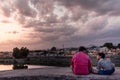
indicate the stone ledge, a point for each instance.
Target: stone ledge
{"x":54,"y":73}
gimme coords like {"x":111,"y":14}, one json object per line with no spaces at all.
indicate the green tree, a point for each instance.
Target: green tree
{"x":118,"y":45}
{"x":53,"y":49}
{"x":20,"y":53}
{"x":108,"y":45}
{"x":16,"y":52}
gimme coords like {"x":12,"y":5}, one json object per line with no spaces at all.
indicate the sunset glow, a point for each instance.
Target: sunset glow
{"x":8,"y":31}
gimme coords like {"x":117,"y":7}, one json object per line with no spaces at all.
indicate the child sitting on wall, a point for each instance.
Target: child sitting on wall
{"x":104,"y":66}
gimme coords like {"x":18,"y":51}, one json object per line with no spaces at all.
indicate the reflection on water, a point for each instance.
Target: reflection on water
{"x":10,"y":67}
{"x":20,"y":67}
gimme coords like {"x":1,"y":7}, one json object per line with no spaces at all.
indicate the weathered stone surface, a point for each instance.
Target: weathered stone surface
{"x":53,"y":73}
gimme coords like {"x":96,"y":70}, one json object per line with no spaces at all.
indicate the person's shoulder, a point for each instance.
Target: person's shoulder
{"x":106,"y":60}
{"x":101,"y":60}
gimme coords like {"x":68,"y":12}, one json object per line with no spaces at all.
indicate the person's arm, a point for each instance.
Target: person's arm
{"x":89,"y":64}
{"x":95,"y":71}
{"x":99,"y":65}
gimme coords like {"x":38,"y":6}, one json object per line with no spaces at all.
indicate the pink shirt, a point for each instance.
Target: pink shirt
{"x":81,"y":63}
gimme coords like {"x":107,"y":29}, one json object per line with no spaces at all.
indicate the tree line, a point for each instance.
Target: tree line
{"x":111,"y":46}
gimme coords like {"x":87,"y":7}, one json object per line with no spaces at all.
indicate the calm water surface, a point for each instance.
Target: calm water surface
{"x":9,"y":67}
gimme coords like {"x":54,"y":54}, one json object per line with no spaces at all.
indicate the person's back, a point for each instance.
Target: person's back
{"x":81,"y":63}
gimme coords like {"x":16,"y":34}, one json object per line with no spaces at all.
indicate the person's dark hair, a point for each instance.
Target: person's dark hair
{"x":82,"y":48}
{"x":102,"y":55}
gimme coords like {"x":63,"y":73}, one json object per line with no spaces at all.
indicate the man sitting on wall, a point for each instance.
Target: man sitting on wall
{"x":81,"y":64}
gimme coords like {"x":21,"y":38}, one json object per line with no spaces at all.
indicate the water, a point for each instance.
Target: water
{"x":10,"y":67}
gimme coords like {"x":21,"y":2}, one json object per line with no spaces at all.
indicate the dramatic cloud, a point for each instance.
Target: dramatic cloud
{"x":47,"y":23}
{"x":100,"y":6}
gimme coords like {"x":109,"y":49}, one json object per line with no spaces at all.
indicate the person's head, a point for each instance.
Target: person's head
{"x":83,"y":49}
{"x":100,"y":56}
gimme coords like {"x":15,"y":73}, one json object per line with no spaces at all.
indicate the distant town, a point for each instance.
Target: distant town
{"x":107,"y":48}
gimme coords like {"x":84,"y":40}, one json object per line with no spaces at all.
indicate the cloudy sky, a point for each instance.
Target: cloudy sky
{"x":41,"y":24}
